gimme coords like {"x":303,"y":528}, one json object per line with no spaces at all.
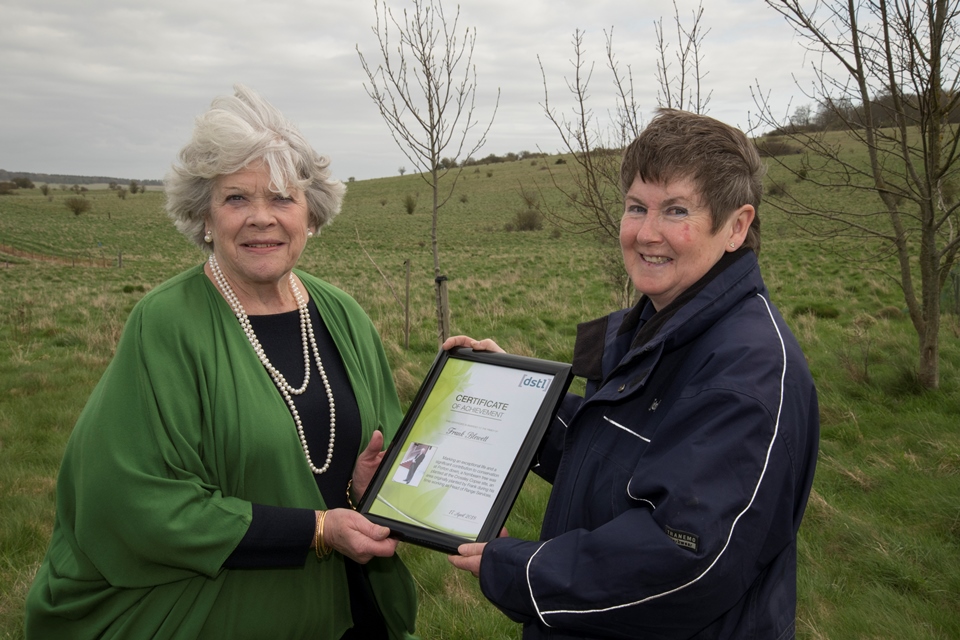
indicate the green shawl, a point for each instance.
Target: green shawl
{"x":183,"y":432}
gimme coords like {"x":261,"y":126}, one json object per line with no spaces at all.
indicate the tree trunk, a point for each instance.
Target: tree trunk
{"x":929,"y":335}
{"x":929,"y":373}
{"x":443,"y":307}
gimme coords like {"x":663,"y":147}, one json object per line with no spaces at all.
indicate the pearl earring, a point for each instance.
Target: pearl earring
{"x":207,"y":237}
{"x":310,"y":233}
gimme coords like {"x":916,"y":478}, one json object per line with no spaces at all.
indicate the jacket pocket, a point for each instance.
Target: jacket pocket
{"x":618,"y":444}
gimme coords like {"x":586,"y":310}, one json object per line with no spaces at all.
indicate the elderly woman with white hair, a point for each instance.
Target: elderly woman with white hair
{"x":207,"y":487}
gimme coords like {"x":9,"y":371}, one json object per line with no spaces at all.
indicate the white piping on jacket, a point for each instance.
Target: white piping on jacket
{"x":633,"y":433}
{"x":620,"y":426}
{"x":530,"y":585}
{"x":638,"y":499}
{"x":756,"y":489}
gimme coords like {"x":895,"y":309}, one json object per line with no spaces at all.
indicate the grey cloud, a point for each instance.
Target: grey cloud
{"x":112,"y":88}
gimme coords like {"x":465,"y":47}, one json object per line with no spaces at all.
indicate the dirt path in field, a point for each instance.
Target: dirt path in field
{"x":83,"y":262}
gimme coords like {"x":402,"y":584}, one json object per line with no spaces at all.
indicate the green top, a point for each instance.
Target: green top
{"x":181,"y":435}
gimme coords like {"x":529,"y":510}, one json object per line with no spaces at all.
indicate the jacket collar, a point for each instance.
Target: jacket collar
{"x":648,"y":330}
{"x":636,"y":330}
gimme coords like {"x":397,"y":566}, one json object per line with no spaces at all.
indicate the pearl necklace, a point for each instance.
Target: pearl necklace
{"x":309,"y":344}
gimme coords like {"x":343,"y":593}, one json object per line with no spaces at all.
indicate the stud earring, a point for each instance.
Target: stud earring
{"x":732,"y":245}
{"x":309,"y":233}
{"x":207,"y":237}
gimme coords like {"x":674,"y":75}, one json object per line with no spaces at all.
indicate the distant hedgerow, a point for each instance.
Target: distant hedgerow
{"x":769,"y":148}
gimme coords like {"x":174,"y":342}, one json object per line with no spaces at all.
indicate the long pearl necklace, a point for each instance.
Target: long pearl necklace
{"x":309,"y":344}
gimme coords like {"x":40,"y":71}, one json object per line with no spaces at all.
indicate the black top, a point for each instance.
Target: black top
{"x":280,"y":337}
{"x":281,"y":536}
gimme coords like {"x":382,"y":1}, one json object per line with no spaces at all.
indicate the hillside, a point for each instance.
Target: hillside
{"x":880,"y":542}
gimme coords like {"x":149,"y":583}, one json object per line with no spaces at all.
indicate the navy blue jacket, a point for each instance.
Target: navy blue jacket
{"x":682,"y":478}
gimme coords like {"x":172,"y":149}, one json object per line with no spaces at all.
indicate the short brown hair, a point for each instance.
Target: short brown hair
{"x":720,"y":159}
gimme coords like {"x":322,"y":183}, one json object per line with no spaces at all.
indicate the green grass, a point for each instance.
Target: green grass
{"x":881,"y":541}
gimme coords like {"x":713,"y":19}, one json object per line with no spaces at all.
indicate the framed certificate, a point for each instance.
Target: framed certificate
{"x":456,"y":465}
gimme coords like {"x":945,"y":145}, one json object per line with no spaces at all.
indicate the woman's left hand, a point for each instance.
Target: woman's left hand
{"x":356,"y":537}
{"x":367,"y":464}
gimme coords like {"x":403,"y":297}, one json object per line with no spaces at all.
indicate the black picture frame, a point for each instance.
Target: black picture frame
{"x":434,"y":460}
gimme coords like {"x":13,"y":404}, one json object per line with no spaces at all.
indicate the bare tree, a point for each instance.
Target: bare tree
{"x":595,"y":144}
{"x":425,"y":90}
{"x":682,"y":89}
{"x":896,"y":84}
{"x":802,"y":117}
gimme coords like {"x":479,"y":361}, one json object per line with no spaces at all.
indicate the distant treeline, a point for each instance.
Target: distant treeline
{"x":840,"y":114}
{"x":448,"y":163}
{"x":53,"y":178}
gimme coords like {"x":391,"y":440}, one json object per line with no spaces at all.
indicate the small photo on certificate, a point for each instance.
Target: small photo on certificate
{"x":415,"y":461}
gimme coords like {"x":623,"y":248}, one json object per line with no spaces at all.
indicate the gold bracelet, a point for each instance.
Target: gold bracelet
{"x":349,"y":501}
{"x":321,"y":545}
{"x":317,"y":533}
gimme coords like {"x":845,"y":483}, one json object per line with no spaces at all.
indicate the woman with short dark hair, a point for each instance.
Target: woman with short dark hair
{"x":681,"y":477}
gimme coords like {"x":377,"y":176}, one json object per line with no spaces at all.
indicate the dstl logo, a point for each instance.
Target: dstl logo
{"x":534,"y":383}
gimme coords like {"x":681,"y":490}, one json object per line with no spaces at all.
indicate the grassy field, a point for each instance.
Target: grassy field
{"x":880,"y":544}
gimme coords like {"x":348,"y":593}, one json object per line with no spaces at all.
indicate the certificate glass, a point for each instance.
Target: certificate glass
{"x":457,"y":463}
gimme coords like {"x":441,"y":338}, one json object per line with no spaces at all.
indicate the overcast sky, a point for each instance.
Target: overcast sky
{"x":111,"y":87}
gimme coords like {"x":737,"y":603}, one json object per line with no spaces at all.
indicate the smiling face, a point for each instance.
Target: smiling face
{"x":258,"y":234}
{"x":667,"y":238}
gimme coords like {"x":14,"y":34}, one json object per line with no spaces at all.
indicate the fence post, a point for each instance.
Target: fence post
{"x":443,"y":307}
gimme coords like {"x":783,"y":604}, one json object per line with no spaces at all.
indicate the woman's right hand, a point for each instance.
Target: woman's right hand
{"x":354,"y":536}
{"x":477,"y":345}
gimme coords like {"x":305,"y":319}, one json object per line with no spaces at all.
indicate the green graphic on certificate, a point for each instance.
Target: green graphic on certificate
{"x":461,"y":447}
